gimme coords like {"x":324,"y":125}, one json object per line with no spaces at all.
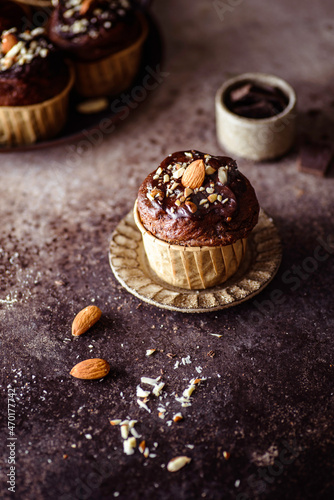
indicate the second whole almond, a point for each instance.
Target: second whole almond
{"x":91,"y":369}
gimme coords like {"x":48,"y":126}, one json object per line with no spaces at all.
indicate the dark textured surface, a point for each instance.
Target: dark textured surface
{"x":275,"y":387}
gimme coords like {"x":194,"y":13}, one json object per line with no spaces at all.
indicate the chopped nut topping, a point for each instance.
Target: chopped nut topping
{"x":178,"y":173}
{"x":222,"y":175}
{"x":157,"y":193}
{"x":209,"y":170}
{"x":192,"y":207}
{"x":188,"y":192}
{"x":212,"y":198}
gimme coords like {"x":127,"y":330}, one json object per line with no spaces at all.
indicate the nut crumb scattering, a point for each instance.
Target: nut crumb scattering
{"x":115,"y":422}
{"x":149,"y":352}
{"x":129,"y":445}
{"x":178,"y":417}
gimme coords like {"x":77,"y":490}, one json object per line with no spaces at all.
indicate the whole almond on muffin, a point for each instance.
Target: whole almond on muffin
{"x":194,"y":176}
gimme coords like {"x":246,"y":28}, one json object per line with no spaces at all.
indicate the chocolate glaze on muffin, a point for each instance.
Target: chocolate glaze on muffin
{"x":220,"y":210}
{"x":92,"y":29}
{"x":11,"y":15}
{"x":31,"y":69}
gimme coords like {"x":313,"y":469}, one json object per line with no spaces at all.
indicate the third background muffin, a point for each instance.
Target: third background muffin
{"x":104,"y":39}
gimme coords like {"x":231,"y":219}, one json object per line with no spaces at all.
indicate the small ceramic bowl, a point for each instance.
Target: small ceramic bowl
{"x":256,"y":138}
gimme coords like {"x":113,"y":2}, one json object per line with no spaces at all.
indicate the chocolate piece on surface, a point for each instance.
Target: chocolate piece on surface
{"x":314,"y":158}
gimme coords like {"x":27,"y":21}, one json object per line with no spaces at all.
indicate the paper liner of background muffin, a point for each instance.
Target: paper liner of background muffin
{"x":113,"y":74}
{"x":191,"y":267}
{"x":131,"y":268}
{"x":23,"y":125}
{"x":36,"y":3}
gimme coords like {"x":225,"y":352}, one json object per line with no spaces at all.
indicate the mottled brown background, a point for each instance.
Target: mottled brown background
{"x":58,"y":209}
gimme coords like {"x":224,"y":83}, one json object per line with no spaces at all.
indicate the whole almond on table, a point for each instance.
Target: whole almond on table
{"x":194,"y":175}
{"x":86,"y":318}
{"x":91,"y":369}
{"x":8,"y":42}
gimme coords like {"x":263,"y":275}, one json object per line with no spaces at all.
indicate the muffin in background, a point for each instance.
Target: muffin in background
{"x":195,"y":212}
{"x":103,"y":38}
{"x":34,"y":87}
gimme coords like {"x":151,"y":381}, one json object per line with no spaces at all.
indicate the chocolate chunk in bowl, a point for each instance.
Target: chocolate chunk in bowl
{"x":256,"y":116}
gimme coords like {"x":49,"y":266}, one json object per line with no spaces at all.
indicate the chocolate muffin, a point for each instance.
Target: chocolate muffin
{"x":93,"y":29}
{"x":217,"y":209}
{"x":11,"y":15}
{"x":31,"y":69}
{"x":34,"y":87}
{"x":197,"y":205}
{"x":104,"y":39}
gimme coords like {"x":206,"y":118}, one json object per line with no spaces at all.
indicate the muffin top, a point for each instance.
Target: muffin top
{"x":31,"y":69}
{"x":195,"y":199}
{"x":11,"y":15}
{"x":93,"y":29}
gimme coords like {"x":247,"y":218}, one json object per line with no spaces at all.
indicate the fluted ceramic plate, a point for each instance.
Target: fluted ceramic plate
{"x":130,"y":266}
